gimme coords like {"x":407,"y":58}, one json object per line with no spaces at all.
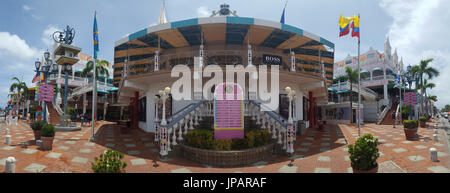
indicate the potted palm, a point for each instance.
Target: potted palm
{"x":36,"y":126}
{"x":423,"y":121}
{"x":47,"y":136}
{"x":364,"y":154}
{"x":410,"y":128}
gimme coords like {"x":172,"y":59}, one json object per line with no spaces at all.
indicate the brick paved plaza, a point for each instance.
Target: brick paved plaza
{"x":317,"y":152}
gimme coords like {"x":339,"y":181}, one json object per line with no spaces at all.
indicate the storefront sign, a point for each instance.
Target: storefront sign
{"x":228,"y":111}
{"x":271,"y":59}
{"x":46,"y":92}
{"x":410,"y":98}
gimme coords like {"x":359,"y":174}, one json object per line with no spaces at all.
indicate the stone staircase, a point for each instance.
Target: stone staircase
{"x":388,"y":118}
{"x":54,"y":116}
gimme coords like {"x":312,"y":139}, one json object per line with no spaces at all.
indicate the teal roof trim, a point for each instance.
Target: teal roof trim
{"x":292,"y":29}
{"x":184,"y":23}
{"x":327,"y":43}
{"x":241,"y":20}
{"x":137,"y":34}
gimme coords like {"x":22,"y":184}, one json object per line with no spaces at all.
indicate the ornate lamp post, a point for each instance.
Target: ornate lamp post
{"x":48,"y":69}
{"x":164,"y":94}
{"x":66,"y":68}
{"x":290,"y":129}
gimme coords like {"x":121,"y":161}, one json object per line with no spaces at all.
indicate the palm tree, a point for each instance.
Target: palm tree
{"x":100,"y":67}
{"x":352,"y":77}
{"x":422,"y":69}
{"x":427,"y":86}
{"x":18,"y":86}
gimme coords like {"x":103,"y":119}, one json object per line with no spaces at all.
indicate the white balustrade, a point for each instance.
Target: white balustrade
{"x":174,"y":136}
{"x":180,"y":131}
{"x":186,"y":120}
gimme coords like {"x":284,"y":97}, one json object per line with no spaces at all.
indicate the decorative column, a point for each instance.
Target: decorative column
{"x":292,"y":62}
{"x":311,"y":123}
{"x":156,"y":60}
{"x":156,"y":121}
{"x":84,"y":103}
{"x":136,"y":110}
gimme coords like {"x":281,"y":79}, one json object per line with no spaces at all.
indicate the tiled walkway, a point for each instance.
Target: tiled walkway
{"x":318,"y":151}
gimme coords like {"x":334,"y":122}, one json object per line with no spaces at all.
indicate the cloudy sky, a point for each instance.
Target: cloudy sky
{"x":417,"y":28}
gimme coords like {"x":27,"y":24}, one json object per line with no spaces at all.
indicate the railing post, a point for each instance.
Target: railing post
{"x":163,"y":151}
{"x":186,"y":120}
{"x":174,"y":137}
{"x":180,"y":131}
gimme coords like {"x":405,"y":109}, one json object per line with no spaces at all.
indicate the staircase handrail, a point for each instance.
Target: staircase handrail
{"x":182,"y":115}
{"x":57,"y":108}
{"x":277,"y":117}
{"x":384,"y":113}
{"x":178,"y":112}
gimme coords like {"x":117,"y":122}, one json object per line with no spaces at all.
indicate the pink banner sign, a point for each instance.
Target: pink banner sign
{"x":228,"y":111}
{"x":410,"y":98}
{"x":46,"y":92}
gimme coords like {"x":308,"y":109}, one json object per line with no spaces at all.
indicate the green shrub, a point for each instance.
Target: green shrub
{"x":72,"y":111}
{"x":237,"y":144}
{"x":405,"y":112}
{"x":204,"y":139}
{"x":48,"y":130}
{"x":364,"y":153}
{"x":109,"y":162}
{"x":36,"y":125}
{"x":410,"y":124}
{"x":422,"y":119}
{"x":222,"y":144}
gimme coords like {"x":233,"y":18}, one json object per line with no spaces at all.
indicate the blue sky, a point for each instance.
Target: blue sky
{"x":417,"y":28}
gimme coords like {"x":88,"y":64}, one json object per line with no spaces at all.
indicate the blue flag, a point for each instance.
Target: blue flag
{"x":96,"y":49}
{"x":282,"y":16}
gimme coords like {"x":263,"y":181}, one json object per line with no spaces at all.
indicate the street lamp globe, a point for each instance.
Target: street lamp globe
{"x":161,"y":92}
{"x":37,"y":64}
{"x":167,"y":90}
{"x":287,"y":89}
{"x":409,"y":68}
{"x":47,"y":55}
{"x":68,"y":67}
{"x":55,"y":67}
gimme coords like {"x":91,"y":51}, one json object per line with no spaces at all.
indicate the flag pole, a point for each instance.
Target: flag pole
{"x":359,"y":85}
{"x":94,"y":92}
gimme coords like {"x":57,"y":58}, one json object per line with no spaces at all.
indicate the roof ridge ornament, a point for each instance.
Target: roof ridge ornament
{"x":224,"y":11}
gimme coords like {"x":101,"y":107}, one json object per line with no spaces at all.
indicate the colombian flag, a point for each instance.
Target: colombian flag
{"x":96,"y":49}
{"x":347,"y":23}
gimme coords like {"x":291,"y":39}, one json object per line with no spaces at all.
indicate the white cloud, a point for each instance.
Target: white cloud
{"x":47,"y":35}
{"x":203,"y":11}
{"x":420,"y":31}
{"x":14,"y":46}
{"x":26,"y":7}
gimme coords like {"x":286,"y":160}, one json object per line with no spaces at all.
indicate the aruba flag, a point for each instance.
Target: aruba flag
{"x":96,"y":49}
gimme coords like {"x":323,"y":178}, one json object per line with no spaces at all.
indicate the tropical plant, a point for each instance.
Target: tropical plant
{"x":410,"y":124}
{"x":422,"y":119}
{"x":352,"y":77}
{"x":21,"y":88}
{"x":364,"y":153}
{"x":48,"y":130}
{"x":109,"y":162}
{"x":101,"y":68}
{"x":36,"y":125}
{"x":422,"y":69}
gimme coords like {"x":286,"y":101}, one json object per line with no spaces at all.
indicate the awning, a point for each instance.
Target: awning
{"x":78,"y":70}
{"x":365,"y":71}
{"x":331,"y":89}
{"x":342,"y":91}
{"x":377,"y":68}
{"x":103,"y":91}
{"x":113,"y":89}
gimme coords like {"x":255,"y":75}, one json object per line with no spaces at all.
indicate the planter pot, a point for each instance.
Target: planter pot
{"x":410,"y":133}
{"x":37,"y":135}
{"x":422,"y":124}
{"x":47,"y":143}
{"x":374,"y":170}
